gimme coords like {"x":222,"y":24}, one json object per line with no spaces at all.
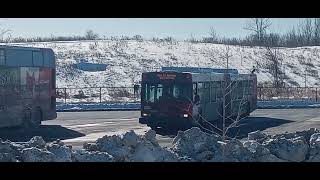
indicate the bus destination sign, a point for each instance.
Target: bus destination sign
{"x":166,"y":76}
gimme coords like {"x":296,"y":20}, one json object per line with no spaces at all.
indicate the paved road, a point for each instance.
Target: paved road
{"x":100,"y":123}
{"x":97,"y":124}
{"x":75,"y":128}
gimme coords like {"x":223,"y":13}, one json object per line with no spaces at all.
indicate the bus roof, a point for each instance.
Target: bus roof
{"x":200,"y":70}
{"x":18,"y":56}
{"x":22,"y":48}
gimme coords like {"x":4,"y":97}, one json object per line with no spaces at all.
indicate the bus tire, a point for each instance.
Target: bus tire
{"x":26,"y":119}
{"x":33,"y":118}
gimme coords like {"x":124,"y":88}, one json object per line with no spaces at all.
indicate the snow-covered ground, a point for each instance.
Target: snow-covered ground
{"x":125,"y":60}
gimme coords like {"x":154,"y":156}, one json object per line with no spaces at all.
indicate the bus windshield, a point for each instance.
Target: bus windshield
{"x":159,"y":92}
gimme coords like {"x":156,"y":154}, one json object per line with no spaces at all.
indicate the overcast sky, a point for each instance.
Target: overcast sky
{"x":179,"y":28}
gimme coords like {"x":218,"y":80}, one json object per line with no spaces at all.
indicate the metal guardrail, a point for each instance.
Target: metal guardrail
{"x":288,"y":93}
{"x":98,"y":94}
{"x":132,"y":94}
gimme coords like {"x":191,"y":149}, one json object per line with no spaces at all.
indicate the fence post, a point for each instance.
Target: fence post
{"x":100,"y":94}
{"x":65,"y":95}
{"x":316,"y":94}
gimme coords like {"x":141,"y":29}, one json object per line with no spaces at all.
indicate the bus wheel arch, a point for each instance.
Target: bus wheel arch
{"x":33,"y":117}
{"x":37,"y":116}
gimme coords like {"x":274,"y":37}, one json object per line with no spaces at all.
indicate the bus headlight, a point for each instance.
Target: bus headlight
{"x":144,"y":114}
{"x":185,"y":115}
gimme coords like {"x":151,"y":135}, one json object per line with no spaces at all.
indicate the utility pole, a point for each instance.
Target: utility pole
{"x":227,"y":62}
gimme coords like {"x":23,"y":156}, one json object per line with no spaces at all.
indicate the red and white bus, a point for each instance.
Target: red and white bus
{"x":175,"y":98}
{"x":27,"y":86}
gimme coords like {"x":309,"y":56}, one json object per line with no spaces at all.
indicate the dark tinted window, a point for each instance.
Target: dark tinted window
{"x":49,"y":60}
{"x":2,"y":57}
{"x":19,"y":58}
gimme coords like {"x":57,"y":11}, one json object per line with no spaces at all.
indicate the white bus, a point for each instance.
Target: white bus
{"x":27,"y":86}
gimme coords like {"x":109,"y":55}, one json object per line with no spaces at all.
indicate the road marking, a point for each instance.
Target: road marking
{"x":314,"y":119}
{"x":98,"y":124}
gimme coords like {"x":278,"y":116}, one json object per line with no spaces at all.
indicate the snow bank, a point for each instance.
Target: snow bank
{"x":192,"y":145}
{"x":97,"y":106}
{"x":285,"y":104}
{"x":131,"y":147}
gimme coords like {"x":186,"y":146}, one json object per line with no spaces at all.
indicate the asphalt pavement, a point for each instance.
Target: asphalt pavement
{"x":75,"y":128}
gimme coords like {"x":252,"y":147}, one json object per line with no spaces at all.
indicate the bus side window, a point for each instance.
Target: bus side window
{"x":214,"y":88}
{"x":250,"y":87}
{"x":245,"y":87}
{"x":194,"y":91}
{"x":206,"y":92}
{"x":219,"y":89}
{"x":240,"y":91}
{"x":194,"y":88}
{"x":37,"y":58}
{"x":200,"y":91}
{"x":2,"y":57}
{"x":234,"y":90}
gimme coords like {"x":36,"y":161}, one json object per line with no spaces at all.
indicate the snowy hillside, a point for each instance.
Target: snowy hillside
{"x":126,"y":60}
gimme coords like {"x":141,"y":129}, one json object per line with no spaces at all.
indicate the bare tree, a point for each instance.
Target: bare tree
{"x":213,"y":35}
{"x":259,"y":27}
{"x":3,"y":33}
{"x":274,"y":64}
{"x":316,"y":30}
{"x":225,"y":55}
{"x":307,"y":31}
{"x":234,"y":103}
{"x":192,"y":38}
{"x":90,"y":35}
{"x":138,"y":38}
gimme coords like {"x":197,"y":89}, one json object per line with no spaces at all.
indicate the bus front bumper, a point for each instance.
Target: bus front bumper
{"x":167,"y":122}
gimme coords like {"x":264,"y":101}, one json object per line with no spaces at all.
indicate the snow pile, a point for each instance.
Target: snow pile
{"x":7,"y":152}
{"x":315,"y":148}
{"x":192,"y":145}
{"x":287,"y":147}
{"x":294,"y":149}
{"x":86,"y":156}
{"x":131,"y":147}
{"x":199,"y":146}
{"x":256,"y":135}
{"x":62,"y":152}
{"x":35,"y":150}
{"x":36,"y":155}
